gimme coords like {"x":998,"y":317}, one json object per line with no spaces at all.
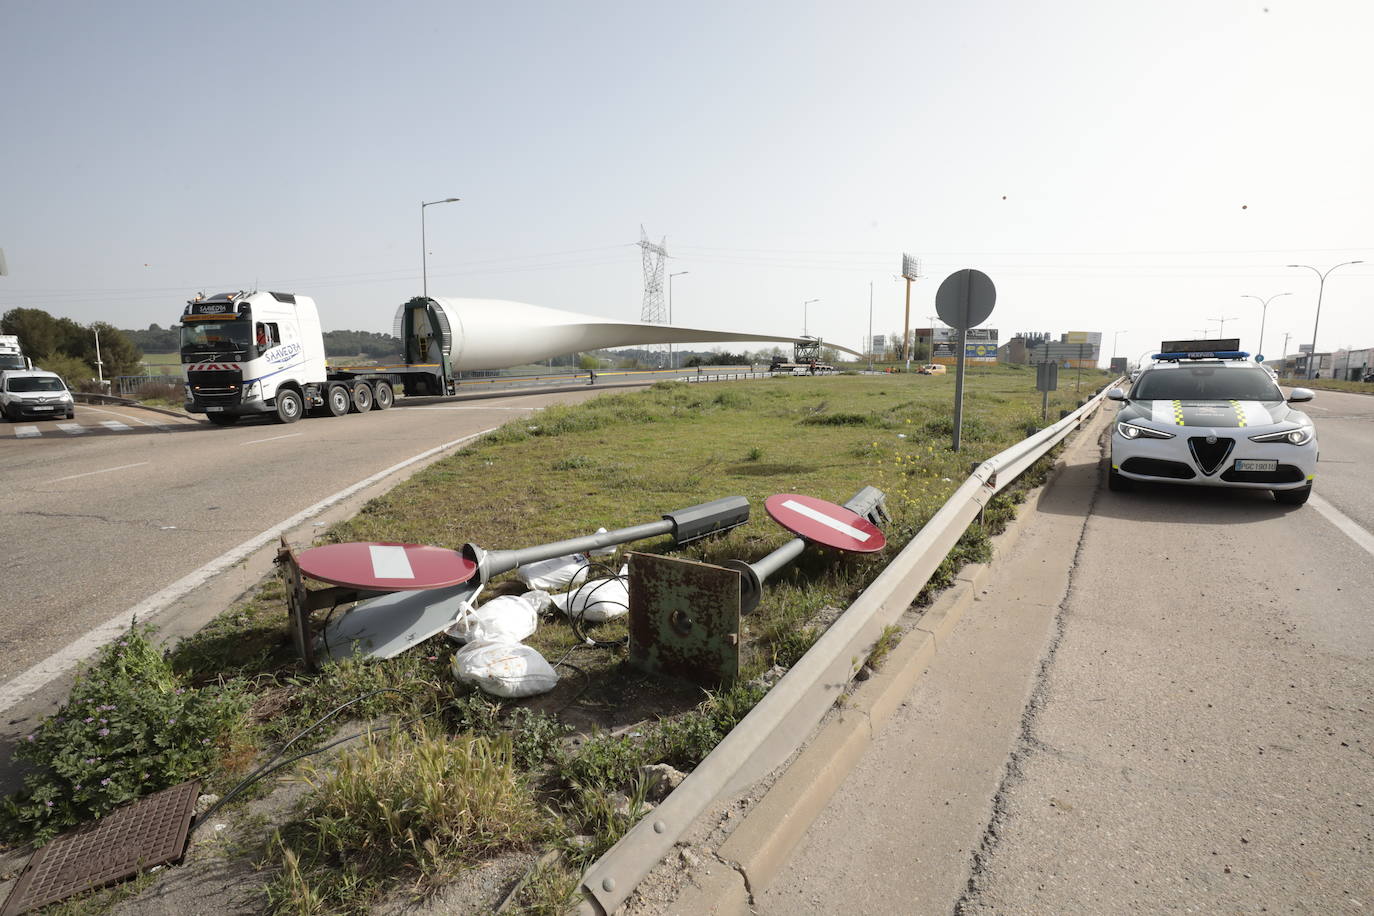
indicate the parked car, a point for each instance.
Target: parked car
{"x":931,"y":369}
{"x":1213,"y":419}
{"x":34,"y":394}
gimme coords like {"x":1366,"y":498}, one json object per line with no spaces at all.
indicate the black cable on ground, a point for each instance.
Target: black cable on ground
{"x":267,"y":768}
{"x":611,"y":574}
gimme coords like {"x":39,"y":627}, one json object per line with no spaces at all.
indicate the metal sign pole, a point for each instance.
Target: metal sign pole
{"x":959,"y":387}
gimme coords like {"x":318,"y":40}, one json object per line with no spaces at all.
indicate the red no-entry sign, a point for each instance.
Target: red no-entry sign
{"x":386,"y":567}
{"x":824,"y":523}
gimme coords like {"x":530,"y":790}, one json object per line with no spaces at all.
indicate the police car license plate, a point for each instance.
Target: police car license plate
{"x":1255,"y":464}
{"x":43,"y":408}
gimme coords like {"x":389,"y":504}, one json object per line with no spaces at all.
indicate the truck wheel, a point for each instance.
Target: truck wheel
{"x":222,"y":419}
{"x":337,"y":400}
{"x":362,"y":397}
{"x":383,"y":395}
{"x":289,"y":407}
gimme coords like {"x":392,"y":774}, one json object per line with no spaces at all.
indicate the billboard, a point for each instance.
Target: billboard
{"x":980,"y":345}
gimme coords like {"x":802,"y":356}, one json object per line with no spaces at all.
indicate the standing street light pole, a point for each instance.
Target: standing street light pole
{"x":1263,"y":315}
{"x":99,"y":365}
{"x":670,"y":311}
{"x":1321,"y":286}
{"x":1115,"y":335}
{"x":424,"y":255}
{"x":804,"y":305}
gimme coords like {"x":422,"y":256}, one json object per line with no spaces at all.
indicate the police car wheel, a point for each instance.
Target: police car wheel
{"x":1293,"y":497}
{"x":1117,"y":483}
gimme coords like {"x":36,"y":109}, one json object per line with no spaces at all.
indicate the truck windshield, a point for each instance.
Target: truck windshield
{"x":11,"y":361}
{"x":36,"y":383}
{"x":202,"y":337}
{"x":1206,"y":383}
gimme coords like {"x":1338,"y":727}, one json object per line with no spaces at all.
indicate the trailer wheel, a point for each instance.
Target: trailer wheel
{"x":383,"y":395}
{"x":362,"y":397}
{"x":289,"y":407}
{"x":338,"y":400}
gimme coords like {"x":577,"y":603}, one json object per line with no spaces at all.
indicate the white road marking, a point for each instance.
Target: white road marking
{"x":390,"y":562}
{"x":1348,"y":526}
{"x":62,"y":661}
{"x":125,"y":416}
{"x":26,"y":432}
{"x":1315,"y":407}
{"x":272,"y":438}
{"x":91,"y":473}
{"x":72,"y":429}
{"x":826,"y":520}
{"x":116,"y":425}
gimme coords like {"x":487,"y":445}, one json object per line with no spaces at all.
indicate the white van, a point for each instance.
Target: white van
{"x":34,"y":394}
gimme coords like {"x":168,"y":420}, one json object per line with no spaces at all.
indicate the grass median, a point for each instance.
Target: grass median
{"x":567,"y":769}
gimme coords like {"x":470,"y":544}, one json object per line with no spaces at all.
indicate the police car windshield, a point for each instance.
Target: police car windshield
{"x":1206,"y":383}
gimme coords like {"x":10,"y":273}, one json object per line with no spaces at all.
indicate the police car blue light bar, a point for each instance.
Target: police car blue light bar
{"x":1203,"y":354}
{"x":1222,"y":348}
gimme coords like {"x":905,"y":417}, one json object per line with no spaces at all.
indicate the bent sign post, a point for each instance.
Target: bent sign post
{"x":964,"y":300}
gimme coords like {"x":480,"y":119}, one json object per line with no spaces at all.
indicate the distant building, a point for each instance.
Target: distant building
{"x":1074,"y":349}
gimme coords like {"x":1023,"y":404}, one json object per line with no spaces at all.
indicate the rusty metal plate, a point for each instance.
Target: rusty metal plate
{"x":148,"y":832}
{"x":684,"y":619}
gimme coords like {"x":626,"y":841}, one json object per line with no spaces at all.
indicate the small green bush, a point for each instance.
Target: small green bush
{"x":129,"y":728}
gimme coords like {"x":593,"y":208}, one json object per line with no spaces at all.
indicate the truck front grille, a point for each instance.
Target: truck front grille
{"x":216,"y":386}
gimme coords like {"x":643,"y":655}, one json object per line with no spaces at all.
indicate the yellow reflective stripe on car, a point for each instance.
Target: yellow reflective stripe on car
{"x":1240,"y":412}
{"x":1178,"y":412}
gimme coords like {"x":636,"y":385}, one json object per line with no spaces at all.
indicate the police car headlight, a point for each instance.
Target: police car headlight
{"x":1131,"y":431}
{"x":1300,"y":436}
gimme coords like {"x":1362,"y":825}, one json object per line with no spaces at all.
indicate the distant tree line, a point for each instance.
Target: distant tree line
{"x":61,"y":345}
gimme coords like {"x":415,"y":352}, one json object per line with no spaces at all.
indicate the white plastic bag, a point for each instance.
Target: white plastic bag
{"x":598,"y":600}
{"x":505,"y":669}
{"x":507,"y":618}
{"x":553,"y":575}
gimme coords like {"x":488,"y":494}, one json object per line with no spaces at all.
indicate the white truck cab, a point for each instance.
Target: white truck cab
{"x":251,"y":353}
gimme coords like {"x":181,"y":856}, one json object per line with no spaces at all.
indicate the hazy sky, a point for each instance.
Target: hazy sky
{"x":1112,"y":166}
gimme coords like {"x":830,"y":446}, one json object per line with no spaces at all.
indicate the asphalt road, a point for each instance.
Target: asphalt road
{"x":101,"y":512}
{"x":1163,"y":702}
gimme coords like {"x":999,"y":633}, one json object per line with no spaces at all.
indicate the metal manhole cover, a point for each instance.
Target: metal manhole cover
{"x":150,"y":831}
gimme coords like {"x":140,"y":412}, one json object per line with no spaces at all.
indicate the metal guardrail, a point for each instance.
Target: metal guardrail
{"x":786,"y":716}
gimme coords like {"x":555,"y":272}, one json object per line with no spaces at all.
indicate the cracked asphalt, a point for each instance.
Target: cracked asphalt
{"x":1163,"y":702}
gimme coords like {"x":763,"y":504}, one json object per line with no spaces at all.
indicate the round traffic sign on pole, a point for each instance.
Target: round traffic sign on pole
{"x":386,"y":567}
{"x":965,"y":299}
{"x":824,"y":523}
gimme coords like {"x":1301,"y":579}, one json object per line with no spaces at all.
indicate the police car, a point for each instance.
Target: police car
{"x":1203,"y":414}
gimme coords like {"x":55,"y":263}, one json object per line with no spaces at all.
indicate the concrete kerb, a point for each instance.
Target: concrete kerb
{"x":767,"y":836}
